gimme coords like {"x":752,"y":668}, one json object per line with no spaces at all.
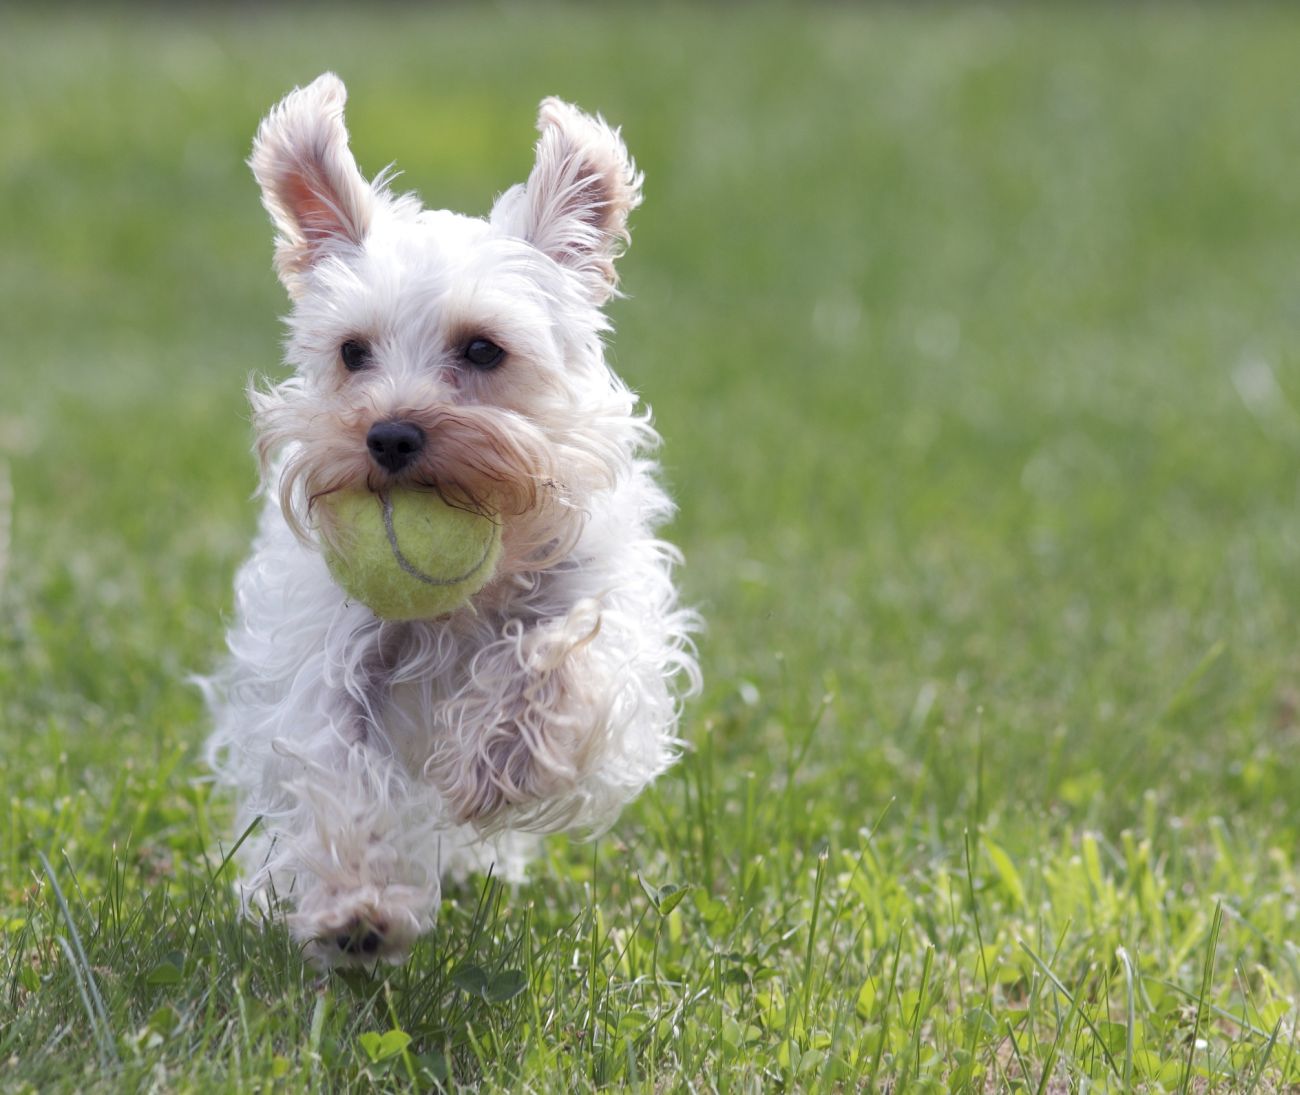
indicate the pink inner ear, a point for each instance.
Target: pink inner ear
{"x":589,"y":199}
{"x":318,"y":217}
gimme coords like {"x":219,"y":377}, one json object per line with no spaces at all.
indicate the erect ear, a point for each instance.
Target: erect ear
{"x":310,"y":182}
{"x":575,"y":204}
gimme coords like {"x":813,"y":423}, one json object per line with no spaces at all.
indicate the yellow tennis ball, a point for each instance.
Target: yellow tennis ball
{"x":407,"y":554}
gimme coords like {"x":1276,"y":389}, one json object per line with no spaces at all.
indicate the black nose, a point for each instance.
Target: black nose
{"x":393,"y":445}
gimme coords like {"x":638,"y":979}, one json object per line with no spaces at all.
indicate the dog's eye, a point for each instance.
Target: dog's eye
{"x":355,"y":355}
{"x":483,"y":354}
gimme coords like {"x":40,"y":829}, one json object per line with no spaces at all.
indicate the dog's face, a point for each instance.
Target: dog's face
{"x":445,"y":352}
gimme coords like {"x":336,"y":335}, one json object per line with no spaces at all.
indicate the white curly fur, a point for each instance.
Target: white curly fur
{"x":381,"y":757}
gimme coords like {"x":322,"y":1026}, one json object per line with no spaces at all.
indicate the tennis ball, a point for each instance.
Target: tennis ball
{"x":407,"y":554}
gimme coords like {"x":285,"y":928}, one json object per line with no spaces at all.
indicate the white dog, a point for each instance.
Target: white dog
{"x":462,"y":356}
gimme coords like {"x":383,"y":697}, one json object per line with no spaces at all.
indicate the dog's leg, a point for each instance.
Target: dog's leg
{"x":362,"y":890}
{"x":549,"y":708}
{"x":356,"y":846}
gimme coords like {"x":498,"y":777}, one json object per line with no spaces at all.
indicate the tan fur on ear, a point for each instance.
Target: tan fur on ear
{"x":575,"y":204}
{"x":310,"y":182}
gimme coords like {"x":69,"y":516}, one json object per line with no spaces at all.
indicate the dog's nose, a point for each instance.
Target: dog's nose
{"x":393,"y":445}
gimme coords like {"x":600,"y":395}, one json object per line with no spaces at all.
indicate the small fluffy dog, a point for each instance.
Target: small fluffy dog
{"x":440,"y":352}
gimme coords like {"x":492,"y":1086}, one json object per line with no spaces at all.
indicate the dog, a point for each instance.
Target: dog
{"x":371,"y":759}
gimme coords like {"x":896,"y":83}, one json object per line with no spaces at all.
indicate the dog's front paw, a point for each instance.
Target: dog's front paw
{"x":360,"y":928}
{"x":363,"y":939}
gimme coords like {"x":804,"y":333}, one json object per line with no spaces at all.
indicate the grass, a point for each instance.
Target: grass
{"x":974,"y":337}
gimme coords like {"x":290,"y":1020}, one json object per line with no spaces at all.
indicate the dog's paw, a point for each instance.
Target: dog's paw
{"x":358,"y":931}
{"x":363,"y":939}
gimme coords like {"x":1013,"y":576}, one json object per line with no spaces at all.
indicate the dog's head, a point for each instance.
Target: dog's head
{"x":440,"y":351}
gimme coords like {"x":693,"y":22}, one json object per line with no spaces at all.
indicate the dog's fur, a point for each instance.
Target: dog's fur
{"x":379,"y":756}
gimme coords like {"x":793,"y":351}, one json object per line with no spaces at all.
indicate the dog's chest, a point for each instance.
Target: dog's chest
{"x":413,"y":716}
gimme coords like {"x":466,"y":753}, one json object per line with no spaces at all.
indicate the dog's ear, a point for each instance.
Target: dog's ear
{"x":575,"y":204}
{"x":310,"y":182}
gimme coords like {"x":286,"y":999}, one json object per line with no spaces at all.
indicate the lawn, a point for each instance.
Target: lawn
{"x":974,"y":336}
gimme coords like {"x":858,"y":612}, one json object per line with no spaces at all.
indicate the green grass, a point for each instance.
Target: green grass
{"x":974,"y":335}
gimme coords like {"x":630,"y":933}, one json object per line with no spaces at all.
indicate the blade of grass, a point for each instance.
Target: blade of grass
{"x":1263,"y":1061}
{"x":1074,"y":1006}
{"x":1207,"y":973}
{"x":1129,"y":1016}
{"x":86,"y":970}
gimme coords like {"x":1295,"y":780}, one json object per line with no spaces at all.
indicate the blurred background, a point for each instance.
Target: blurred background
{"x":971,"y":332}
